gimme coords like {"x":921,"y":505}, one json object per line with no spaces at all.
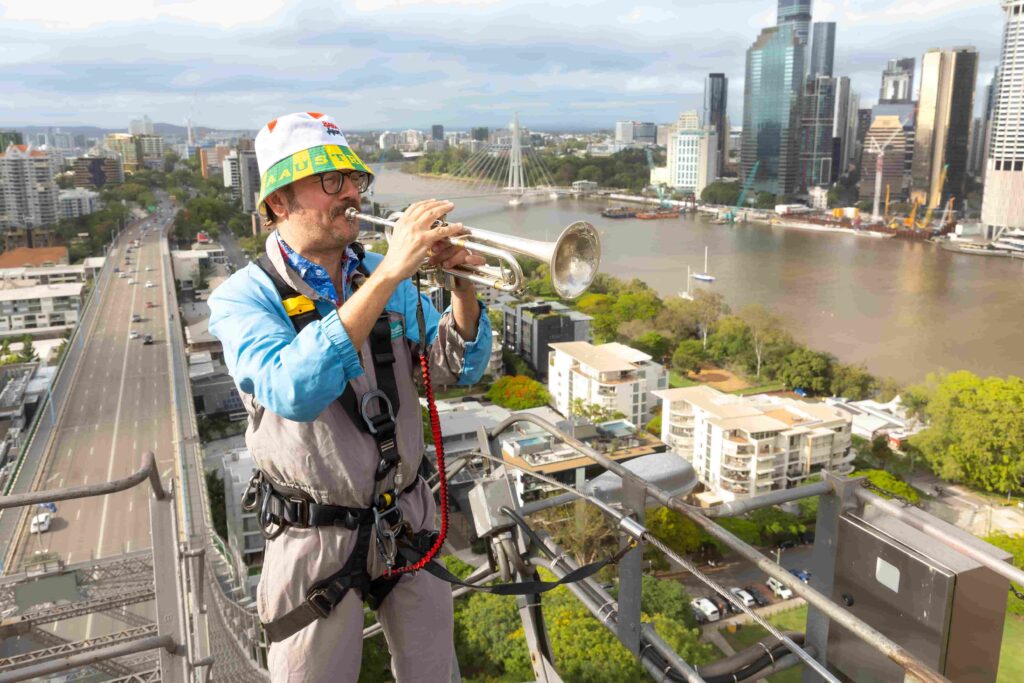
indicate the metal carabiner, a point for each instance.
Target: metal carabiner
{"x":387,"y":538}
{"x":251,"y":494}
{"x":265,"y":522}
{"x":385,"y":403}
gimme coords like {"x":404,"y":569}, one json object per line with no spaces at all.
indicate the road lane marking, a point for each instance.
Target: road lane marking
{"x":91,"y":449}
{"x":78,"y":514}
{"x":61,"y":484}
{"x":53,"y":477}
{"x":131,"y":505}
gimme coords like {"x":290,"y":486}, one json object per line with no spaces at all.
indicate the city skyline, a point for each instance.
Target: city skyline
{"x":236,"y":65}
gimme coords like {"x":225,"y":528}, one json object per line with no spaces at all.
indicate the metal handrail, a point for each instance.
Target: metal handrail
{"x":897,"y":653}
{"x":148,"y":470}
{"x":86,"y":658}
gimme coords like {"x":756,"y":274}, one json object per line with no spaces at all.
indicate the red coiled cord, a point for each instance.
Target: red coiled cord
{"x":435,"y":429}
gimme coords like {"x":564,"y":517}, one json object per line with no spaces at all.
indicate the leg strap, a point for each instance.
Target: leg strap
{"x":325,"y":595}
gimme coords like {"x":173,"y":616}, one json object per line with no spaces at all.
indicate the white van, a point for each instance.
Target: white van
{"x":780,"y":589}
{"x":707,"y":608}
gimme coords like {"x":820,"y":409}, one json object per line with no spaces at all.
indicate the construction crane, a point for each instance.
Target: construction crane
{"x":879,"y":150}
{"x":886,"y":219}
{"x":926,"y":223}
{"x":660,"y":189}
{"x":731,"y":216}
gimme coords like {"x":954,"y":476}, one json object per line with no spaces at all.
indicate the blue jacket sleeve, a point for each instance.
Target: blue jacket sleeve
{"x":293,"y":375}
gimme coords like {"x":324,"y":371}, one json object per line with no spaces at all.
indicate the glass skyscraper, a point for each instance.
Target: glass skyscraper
{"x":771,"y":104}
{"x":796,"y":13}
{"x":716,"y":101}
{"x":823,"y":49}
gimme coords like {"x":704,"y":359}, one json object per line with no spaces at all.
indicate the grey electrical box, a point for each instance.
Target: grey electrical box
{"x":486,"y":500}
{"x":941,"y":605}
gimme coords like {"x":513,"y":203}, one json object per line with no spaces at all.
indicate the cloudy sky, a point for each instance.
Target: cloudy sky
{"x":411,"y":63}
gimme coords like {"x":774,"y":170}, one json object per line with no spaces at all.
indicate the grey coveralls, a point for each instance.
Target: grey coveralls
{"x":333,"y":462}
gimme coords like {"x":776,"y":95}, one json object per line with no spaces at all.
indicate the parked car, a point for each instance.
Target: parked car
{"x":781,"y":590}
{"x":720,"y":603}
{"x":40,"y":523}
{"x":758,"y":596}
{"x":787,"y":544}
{"x":745,"y":598}
{"x":801,"y":574}
{"x":707,"y":608}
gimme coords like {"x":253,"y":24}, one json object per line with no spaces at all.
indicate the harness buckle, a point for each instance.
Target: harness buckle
{"x":251,"y":494}
{"x":385,"y":530}
{"x":301,"y":508}
{"x":385,"y":405}
{"x":319,"y":602}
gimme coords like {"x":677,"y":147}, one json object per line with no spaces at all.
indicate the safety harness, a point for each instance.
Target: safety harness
{"x":401,"y":550}
{"x":280,"y":506}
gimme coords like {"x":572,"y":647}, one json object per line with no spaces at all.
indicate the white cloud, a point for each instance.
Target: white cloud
{"x":74,"y":15}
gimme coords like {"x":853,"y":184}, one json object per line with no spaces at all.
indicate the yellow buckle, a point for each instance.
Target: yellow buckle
{"x":297,"y":305}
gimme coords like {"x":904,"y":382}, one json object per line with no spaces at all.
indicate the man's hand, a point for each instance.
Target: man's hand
{"x":448,"y":256}
{"x":413,"y":238}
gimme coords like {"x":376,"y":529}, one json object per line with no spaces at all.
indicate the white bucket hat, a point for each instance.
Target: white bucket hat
{"x":298,"y":145}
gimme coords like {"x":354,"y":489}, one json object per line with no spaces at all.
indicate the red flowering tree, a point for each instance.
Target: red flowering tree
{"x":517,"y":392}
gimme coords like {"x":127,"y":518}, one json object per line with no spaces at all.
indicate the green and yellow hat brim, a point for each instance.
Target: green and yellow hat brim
{"x":306,"y":163}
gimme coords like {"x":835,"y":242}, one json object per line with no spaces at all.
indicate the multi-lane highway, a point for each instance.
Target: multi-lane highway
{"x":117,"y":407}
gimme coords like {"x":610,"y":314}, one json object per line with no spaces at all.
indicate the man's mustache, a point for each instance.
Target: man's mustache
{"x":340,"y":210}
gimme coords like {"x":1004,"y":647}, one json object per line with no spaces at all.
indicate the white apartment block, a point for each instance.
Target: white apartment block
{"x":28,"y":193}
{"x":692,"y":158}
{"x":742,"y":447}
{"x":42,"y":307}
{"x":78,"y":202}
{"x":613,"y":376}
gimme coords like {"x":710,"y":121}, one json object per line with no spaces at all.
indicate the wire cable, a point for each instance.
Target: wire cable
{"x":645,"y":535}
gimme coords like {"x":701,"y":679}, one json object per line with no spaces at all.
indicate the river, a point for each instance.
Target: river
{"x":902,"y":308}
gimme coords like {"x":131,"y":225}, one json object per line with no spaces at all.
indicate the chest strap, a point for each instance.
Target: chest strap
{"x":385,"y":398}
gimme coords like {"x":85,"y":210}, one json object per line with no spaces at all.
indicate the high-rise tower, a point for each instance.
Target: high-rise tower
{"x":1003,"y":203}
{"x":898,"y":81}
{"x":716,"y":100}
{"x":823,"y":49}
{"x":796,"y":13}
{"x":944,"y":111}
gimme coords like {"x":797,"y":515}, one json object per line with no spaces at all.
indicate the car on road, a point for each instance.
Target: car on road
{"x":117,"y":270}
{"x":787,"y":544}
{"x":745,"y":598}
{"x":133,"y":334}
{"x":122,"y":275}
{"x":707,"y":608}
{"x":40,"y":523}
{"x":150,"y":304}
{"x":149,"y":283}
{"x":136,"y":318}
{"x":801,"y":574}
{"x":758,"y":596}
{"x":147,"y":340}
{"x":149,"y":268}
{"x":780,"y":589}
{"x":131,"y":281}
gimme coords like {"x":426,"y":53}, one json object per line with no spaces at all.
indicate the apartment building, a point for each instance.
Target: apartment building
{"x":612,"y":376}
{"x":742,"y":447}
{"x":245,"y":540}
{"x":531,"y":328}
{"x":28,"y":193}
{"x":39,"y":309}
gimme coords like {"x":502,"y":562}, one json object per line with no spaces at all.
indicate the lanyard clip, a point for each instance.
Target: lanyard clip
{"x":387,"y":519}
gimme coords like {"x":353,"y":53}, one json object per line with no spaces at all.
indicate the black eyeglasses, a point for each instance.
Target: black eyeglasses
{"x":333,"y":181}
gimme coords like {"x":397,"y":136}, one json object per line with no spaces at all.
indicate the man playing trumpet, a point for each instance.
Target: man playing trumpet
{"x":321,"y":340}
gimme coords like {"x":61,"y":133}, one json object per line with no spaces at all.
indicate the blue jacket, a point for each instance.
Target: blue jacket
{"x":297,"y":376}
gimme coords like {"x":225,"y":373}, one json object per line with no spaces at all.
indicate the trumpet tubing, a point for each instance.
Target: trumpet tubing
{"x":573,"y":259}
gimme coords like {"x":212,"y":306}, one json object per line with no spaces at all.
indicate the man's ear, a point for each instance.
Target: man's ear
{"x":278,"y":203}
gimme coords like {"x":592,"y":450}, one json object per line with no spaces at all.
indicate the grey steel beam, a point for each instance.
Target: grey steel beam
{"x":65,"y":648}
{"x":631,"y":571}
{"x":164,"y":529}
{"x":87,"y":659}
{"x":22,"y":623}
{"x":110,"y":668}
{"x":745,"y":505}
{"x":897,"y":653}
{"x":148,"y":470}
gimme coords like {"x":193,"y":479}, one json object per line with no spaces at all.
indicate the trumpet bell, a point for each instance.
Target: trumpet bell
{"x":575,"y":261}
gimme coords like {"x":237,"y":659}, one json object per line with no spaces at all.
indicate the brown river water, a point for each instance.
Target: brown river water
{"x":902,"y":308}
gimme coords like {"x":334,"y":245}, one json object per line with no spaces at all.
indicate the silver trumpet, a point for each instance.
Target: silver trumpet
{"x":572,"y":259}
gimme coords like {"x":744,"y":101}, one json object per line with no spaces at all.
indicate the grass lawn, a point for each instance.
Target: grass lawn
{"x":675,"y":380}
{"x":459,"y":392}
{"x":1011,"y":659}
{"x":761,"y":389}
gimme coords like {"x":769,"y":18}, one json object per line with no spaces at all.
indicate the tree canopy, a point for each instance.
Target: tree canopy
{"x":517,"y":392}
{"x":975,"y":430}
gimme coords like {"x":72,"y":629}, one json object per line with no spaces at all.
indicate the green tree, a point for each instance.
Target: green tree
{"x":766,"y":330}
{"x":708,"y":308}
{"x":722,"y":192}
{"x":688,"y":356}
{"x":808,"y":370}
{"x":516,"y":392}
{"x":215,"y":496}
{"x":676,"y":531}
{"x":636,"y":306}
{"x":654,"y":426}
{"x":891,"y":484}
{"x":1015,"y":546}
{"x":731,"y":342}
{"x":765,"y":200}
{"x":28,"y":352}
{"x":976,"y":431}
{"x":653,"y":343}
{"x":853,"y":382}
